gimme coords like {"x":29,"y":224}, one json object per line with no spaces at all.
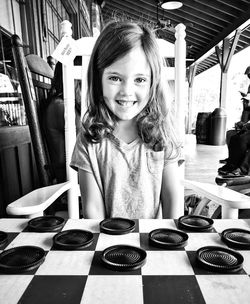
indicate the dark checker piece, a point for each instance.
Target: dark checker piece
{"x":73,"y":239}
{"x":195,"y":223}
{"x":168,"y":238}
{"x":124,"y":257}
{"x":46,"y":224}
{"x":236,"y":237}
{"x":21,"y":259}
{"x":117,"y":225}
{"x":220,"y":259}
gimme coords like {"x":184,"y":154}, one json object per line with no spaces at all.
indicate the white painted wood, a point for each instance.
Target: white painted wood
{"x":229,"y":199}
{"x":180,"y":77}
{"x":70,"y":128}
{"x":35,"y":202}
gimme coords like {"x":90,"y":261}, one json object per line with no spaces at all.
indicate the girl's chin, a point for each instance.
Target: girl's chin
{"x":125,"y":117}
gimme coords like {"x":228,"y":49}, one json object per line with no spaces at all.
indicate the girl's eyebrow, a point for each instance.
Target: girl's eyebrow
{"x":111,"y":72}
{"x":144,"y":75}
{"x":119,"y":74}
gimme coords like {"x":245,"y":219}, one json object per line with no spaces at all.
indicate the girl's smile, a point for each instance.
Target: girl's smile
{"x":125,"y":103}
{"x":126,"y":84}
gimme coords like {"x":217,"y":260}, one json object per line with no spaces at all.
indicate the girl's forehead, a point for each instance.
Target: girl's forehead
{"x":135,"y":59}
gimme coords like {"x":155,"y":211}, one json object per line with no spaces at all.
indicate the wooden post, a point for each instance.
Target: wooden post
{"x":30,"y":100}
{"x":224,"y":58}
{"x":191,"y":74}
{"x":180,"y":76}
{"x":70,"y":128}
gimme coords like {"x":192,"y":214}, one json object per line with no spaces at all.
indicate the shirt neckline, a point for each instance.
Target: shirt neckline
{"x":123,"y":144}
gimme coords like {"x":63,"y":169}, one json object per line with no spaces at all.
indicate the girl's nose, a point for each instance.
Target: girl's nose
{"x":126,"y":88}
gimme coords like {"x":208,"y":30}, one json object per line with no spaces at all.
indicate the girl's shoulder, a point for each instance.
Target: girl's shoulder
{"x":92,"y":145}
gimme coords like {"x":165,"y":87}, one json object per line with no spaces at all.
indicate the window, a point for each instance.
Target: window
{"x":12,"y":111}
{"x":84,"y":20}
{"x":56,"y":13}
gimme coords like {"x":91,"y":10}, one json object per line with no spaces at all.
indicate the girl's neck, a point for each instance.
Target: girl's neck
{"x":126,"y":130}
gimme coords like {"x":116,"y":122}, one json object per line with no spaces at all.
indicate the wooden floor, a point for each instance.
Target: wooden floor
{"x":202,"y":161}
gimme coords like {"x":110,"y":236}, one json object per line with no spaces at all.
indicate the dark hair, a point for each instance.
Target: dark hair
{"x":114,"y":42}
{"x":57,"y":81}
{"x":57,"y":87}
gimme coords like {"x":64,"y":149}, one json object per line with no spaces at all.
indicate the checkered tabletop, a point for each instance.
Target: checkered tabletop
{"x":79,"y":276}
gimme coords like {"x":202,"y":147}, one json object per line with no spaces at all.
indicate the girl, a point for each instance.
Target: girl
{"x":126,"y":154}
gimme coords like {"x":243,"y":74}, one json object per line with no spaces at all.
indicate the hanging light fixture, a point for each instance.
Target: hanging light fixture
{"x":171,"y":5}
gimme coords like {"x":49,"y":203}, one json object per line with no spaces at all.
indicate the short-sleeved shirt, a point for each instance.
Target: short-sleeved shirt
{"x":129,"y":176}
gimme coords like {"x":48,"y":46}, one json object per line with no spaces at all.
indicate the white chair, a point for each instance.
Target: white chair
{"x":83,"y":48}
{"x":37,"y":201}
{"x":231,"y":201}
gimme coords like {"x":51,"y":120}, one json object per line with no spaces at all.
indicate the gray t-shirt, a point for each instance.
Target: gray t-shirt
{"x":129,"y":176}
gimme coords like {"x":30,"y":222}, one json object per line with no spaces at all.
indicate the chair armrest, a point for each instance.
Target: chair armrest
{"x":38,"y":200}
{"x":230,"y":200}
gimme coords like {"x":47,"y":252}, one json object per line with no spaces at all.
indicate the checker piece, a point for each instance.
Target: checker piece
{"x":21,"y":259}
{"x":236,"y":237}
{"x":195,"y":223}
{"x":220,"y":259}
{"x":168,"y":238}
{"x":117,"y":225}
{"x":46,"y":223}
{"x":123,"y":257}
{"x":73,"y":239}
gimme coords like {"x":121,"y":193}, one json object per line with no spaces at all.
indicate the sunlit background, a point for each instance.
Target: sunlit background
{"x":207,"y":88}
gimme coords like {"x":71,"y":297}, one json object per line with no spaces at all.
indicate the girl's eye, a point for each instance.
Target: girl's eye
{"x":114,"y":78}
{"x":140,"y":80}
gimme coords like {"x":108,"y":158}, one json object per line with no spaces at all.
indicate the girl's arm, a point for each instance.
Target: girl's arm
{"x":92,"y":200}
{"x":172,"y":196}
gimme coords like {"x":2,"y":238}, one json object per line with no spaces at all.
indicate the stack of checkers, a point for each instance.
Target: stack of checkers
{"x":122,"y":261}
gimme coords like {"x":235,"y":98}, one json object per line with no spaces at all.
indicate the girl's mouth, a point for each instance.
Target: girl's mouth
{"x":125,"y":103}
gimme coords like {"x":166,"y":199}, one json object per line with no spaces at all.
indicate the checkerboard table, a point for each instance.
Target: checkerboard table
{"x":79,"y":276}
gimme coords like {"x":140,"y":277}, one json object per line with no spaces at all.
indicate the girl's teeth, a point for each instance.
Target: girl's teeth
{"x":125,"y":103}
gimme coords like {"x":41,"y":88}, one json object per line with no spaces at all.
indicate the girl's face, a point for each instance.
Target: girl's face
{"x":126,"y":85}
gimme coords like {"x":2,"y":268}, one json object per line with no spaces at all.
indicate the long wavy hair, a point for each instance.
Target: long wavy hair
{"x":116,"y":40}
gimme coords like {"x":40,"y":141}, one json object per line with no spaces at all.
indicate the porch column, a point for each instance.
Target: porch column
{"x":180,"y":76}
{"x":224,"y":58}
{"x":191,"y":74}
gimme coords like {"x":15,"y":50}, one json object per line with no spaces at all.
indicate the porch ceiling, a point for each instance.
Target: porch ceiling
{"x":207,"y":23}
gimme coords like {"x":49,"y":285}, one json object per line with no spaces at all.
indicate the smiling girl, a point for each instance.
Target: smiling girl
{"x":126,"y":153}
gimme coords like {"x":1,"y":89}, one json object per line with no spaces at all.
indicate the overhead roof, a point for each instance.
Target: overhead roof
{"x":207,"y":22}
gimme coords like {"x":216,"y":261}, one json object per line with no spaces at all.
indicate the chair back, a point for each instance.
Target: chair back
{"x":35,"y":77}
{"x":74,"y":70}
